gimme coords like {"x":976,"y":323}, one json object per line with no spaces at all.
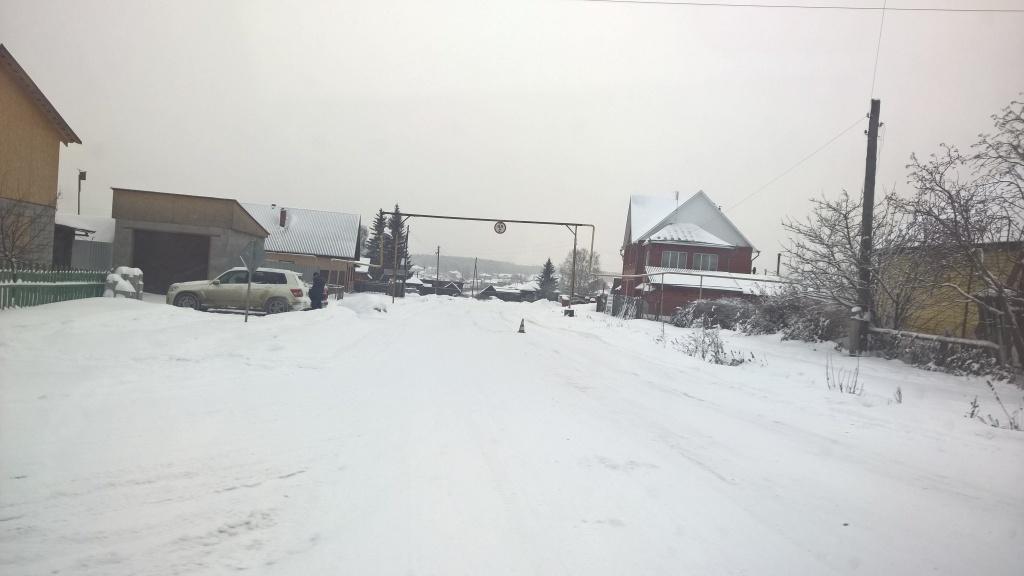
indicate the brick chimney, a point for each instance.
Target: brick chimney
{"x":284,"y":217}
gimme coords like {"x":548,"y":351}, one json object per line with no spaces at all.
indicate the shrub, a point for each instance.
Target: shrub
{"x":727,"y":313}
{"x":707,"y":345}
{"x":843,"y":380}
{"x":952,"y":358}
{"x":797,"y":316}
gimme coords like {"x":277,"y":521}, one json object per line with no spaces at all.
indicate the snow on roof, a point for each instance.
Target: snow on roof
{"x":102,"y":227}
{"x":530,"y":286}
{"x":414,"y":280}
{"x":648,"y":215}
{"x":687,"y":232}
{"x":725,"y":281}
{"x":313,"y":232}
{"x":645,"y":212}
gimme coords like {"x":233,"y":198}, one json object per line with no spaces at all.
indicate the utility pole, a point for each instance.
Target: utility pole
{"x":437,"y":272}
{"x":474,"y":277}
{"x":861,"y":320}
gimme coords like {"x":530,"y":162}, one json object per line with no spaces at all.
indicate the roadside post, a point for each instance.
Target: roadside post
{"x":250,"y":266}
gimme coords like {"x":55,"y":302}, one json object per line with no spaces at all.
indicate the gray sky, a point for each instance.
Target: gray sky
{"x":532,"y":109}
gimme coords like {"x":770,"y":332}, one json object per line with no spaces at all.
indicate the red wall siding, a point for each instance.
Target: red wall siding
{"x":737,"y":260}
{"x":729,"y":259}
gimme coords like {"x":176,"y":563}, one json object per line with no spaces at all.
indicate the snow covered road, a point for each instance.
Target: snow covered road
{"x":137,"y":438}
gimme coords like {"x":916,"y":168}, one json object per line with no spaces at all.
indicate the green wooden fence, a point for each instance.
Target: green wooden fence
{"x":21,"y":288}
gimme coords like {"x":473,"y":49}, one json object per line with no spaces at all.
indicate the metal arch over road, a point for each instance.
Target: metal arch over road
{"x":571,"y":226}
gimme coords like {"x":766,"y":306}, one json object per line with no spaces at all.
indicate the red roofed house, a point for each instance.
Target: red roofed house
{"x":673,"y":243}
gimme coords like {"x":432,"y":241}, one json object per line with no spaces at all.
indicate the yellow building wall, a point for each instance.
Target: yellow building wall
{"x":29,"y":147}
{"x":942,"y":309}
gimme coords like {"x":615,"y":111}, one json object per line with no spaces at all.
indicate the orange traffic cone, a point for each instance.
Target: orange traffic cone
{"x":522,"y":326}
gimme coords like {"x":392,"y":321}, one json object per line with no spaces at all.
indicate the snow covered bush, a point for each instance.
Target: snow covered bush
{"x":956,"y":359}
{"x":728,"y":313}
{"x":707,"y":345}
{"x":797,"y":316}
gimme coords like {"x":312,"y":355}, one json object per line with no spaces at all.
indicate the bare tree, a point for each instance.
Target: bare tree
{"x":24,"y":228}
{"x":824,"y":253}
{"x":973,"y":200}
{"x":586,"y":279}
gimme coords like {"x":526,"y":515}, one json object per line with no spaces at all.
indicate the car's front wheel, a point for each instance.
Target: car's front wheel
{"x":276,"y":306}
{"x":187,"y":300}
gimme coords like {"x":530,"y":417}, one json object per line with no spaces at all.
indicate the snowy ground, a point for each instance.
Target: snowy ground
{"x":137,"y":438}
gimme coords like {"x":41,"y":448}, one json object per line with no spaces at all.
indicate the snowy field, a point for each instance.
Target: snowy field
{"x":141,"y":439}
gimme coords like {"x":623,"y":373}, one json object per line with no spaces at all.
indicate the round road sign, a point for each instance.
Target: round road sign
{"x":500,"y":227}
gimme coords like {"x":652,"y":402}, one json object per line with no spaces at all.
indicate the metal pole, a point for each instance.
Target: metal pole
{"x":572,"y":285}
{"x":661,"y":305}
{"x":394,"y":271}
{"x":437,"y":272}
{"x":474,"y":277}
{"x":249,"y":266}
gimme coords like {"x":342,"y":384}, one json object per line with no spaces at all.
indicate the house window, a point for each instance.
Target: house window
{"x":705,"y":261}
{"x":673,"y":259}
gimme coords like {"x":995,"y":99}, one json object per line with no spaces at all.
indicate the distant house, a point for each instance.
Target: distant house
{"x":31,"y":132}
{"x":688,"y":250}
{"x":311,"y":241}
{"x":443,"y":287}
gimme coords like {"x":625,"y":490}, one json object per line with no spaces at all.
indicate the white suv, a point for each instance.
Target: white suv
{"x":273,"y":291}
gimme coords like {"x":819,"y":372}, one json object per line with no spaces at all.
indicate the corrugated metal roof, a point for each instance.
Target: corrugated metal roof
{"x":687,"y":232}
{"x":313,"y":232}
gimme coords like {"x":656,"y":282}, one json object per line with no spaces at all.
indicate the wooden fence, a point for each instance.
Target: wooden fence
{"x":22,"y":288}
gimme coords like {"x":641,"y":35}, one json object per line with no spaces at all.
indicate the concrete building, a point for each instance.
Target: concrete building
{"x":31,"y":132}
{"x":309,"y":241}
{"x":175,"y":237}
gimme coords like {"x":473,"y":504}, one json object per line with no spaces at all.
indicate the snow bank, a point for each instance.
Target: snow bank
{"x":144,"y":438}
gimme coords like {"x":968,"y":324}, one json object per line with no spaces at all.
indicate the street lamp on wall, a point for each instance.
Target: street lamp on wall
{"x":81,"y":177}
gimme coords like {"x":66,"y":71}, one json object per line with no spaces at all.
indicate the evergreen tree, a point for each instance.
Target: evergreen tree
{"x":378,"y":232}
{"x":546,"y":281}
{"x":398,"y":235}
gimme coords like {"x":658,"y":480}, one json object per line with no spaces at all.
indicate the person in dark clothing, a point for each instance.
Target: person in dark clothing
{"x":316,"y":293}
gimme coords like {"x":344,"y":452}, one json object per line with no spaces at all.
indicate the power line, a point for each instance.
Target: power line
{"x":795,"y":166}
{"x":811,"y":6}
{"x":878,"y":50}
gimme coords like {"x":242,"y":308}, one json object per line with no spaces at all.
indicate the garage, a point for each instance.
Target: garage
{"x":170,"y":257}
{"x":179,"y":237}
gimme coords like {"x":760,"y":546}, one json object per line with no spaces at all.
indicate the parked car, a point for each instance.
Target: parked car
{"x":273,"y":291}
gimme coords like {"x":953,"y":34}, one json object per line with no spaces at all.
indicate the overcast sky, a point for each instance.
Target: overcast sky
{"x":530,"y":109}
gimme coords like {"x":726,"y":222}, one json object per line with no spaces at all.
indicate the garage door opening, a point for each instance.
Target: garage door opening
{"x":166,"y":258}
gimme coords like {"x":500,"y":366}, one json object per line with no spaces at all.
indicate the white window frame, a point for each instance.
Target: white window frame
{"x":680,"y":258}
{"x":707,"y":262}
